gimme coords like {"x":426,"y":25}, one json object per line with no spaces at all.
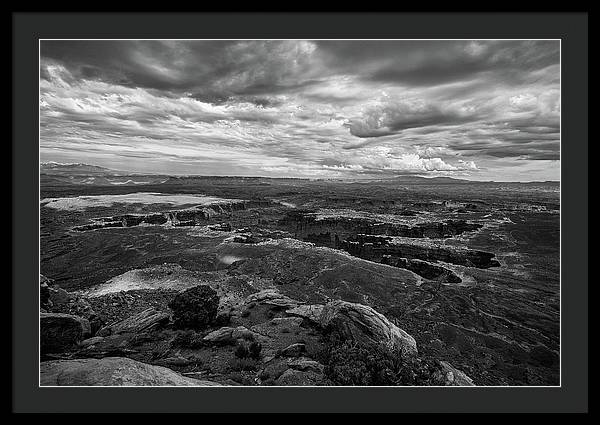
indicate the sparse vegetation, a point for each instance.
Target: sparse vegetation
{"x":248,"y":349}
{"x":349,"y":363}
{"x":187,"y":339}
{"x":243,"y":364}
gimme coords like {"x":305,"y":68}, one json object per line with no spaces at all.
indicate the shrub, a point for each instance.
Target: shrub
{"x":187,"y":339}
{"x":241,"y":350}
{"x":350,"y":363}
{"x":255,"y":349}
{"x":195,"y":308}
{"x":244,"y":349}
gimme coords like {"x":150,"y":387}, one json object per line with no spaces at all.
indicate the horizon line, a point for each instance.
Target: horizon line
{"x":297,"y":178}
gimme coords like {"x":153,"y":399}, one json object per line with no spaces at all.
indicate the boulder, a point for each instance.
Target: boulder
{"x":58,"y":296}
{"x":145,"y":321}
{"x":293,"y":377}
{"x":195,"y":307}
{"x":310,"y":312}
{"x":306,"y":365}
{"x":62,"y":301}
{"x":228,"y":335}
{"x":60,"y":332}
{"x":242,"y":332}
{"x":272,"y":297}
{"x":220,"y":336}
{"x":364,"y":325}
{"x":111,"y":371}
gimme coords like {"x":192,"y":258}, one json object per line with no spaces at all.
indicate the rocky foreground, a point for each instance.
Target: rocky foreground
{"x":227,"y":333}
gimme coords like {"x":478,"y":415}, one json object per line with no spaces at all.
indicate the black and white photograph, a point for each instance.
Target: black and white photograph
{"x":289,"y":212}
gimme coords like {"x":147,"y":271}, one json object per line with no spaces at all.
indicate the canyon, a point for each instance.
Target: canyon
{"x":466,"y":275}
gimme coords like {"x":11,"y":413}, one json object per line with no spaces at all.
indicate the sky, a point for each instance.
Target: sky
{"x":471,"y":109}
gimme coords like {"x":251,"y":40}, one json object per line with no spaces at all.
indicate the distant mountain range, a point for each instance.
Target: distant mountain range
{"x":56,"y":173}
{"x":412,"y":179}
{"x":420,"y":179}
{"x":57,"y":169}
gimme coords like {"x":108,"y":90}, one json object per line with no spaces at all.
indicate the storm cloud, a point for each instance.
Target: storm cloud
{"x":484,"y":110}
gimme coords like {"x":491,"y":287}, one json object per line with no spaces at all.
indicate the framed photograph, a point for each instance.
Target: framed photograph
{"x":344,"y":213}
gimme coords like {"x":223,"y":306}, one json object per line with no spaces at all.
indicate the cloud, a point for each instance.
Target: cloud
{"x":218,"y":68}
{"x":396,"y":161}
{"x":393,"y":116}
{"x":425,"y":63}
{"x":303,"y":108}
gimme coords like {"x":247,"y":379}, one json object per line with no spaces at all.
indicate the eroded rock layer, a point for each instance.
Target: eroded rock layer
{"x":111,"y":371}
{"x":399,"y":242}
{"x":186,"y":217}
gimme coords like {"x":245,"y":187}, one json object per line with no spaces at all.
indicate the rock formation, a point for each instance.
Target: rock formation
{"x":60,"y":332}
{"x":377,"y":247}
{"x":448,"y":375}
{"x":228,"y":335}
{"x":111,"y":371}
{"x":186,"y":217}
{"x":408,"y":245}
{"x":147,"y":320}
{"x":363,"y":324}
{"x":195,"y":307}
{"x":333,"y":229}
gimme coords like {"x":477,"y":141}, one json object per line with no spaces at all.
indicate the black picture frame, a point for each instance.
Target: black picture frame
{"x":571,"y":28}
